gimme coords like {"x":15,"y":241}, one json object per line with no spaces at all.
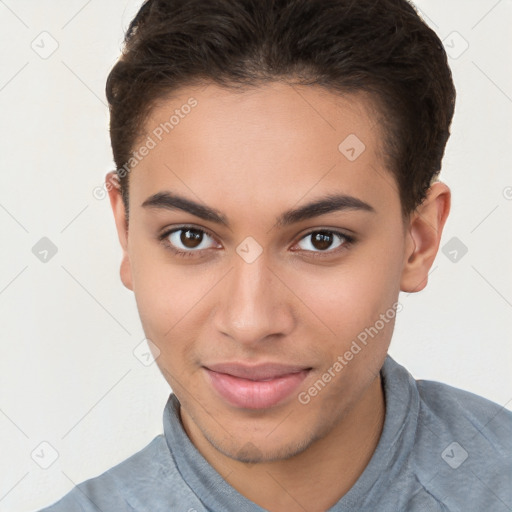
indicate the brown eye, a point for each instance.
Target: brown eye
{"x":324,"y":241}
{"x":191,"y":238}
{"x":188,"y":239}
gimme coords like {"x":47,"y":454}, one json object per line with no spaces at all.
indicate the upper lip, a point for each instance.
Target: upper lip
{"x":265,"y":371}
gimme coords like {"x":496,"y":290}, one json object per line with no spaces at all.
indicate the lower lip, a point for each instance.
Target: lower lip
{"x":252,"y":394}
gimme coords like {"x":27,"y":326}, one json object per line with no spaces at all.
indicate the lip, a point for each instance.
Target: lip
{"x":255,"y":387}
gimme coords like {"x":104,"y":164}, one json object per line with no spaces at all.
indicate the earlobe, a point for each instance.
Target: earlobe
{"x":125,"y":272}
{"x":423,"y":237}
{"x":118,"y":209}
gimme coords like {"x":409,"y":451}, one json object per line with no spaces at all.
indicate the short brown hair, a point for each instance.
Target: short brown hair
{"x":378,"y":46}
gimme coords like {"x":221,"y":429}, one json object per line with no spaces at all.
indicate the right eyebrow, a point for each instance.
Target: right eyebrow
{"x":166,"y":200}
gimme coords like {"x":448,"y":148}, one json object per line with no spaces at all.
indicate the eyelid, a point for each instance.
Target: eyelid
{"x":347,"y":233}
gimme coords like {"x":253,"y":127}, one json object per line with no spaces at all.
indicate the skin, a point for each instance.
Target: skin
{"x":251,"y":156}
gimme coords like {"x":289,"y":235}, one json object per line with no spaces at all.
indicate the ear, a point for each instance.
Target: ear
{"x":423,"y":237}
{"x":116,"y":201}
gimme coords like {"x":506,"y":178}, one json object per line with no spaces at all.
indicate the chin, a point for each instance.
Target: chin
{"x":264,"y":450}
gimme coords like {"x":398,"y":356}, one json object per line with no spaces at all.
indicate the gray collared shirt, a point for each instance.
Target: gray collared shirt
{"x":441,"y":449}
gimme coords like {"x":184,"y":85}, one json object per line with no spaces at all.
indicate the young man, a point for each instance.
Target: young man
{"x":276,"y":189}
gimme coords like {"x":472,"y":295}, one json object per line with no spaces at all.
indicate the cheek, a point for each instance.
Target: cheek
{"x":156,"y":302}
{"x":344,"y":300}
{"x":168,"y":296}
{"x":169,"y":320}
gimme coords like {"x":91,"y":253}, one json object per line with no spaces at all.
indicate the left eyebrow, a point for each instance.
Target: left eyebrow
{"x":327,"y":204}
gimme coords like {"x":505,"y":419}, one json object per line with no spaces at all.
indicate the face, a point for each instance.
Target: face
{"x":272,"y":316}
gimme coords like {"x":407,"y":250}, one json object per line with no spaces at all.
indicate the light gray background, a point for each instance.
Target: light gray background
{"x":69,"y":377}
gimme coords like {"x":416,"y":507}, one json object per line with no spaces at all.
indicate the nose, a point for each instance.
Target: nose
{"x":255,"y":304}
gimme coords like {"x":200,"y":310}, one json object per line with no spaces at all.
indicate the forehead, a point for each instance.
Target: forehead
{"x":275,"y":143}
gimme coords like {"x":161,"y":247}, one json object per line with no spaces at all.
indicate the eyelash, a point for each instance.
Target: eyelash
{"x":348,"y":242}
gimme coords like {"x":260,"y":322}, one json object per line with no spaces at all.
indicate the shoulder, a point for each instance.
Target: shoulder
{"x":148,"y":480}
{"x":463,"y":448}
{"x":460,"y":411}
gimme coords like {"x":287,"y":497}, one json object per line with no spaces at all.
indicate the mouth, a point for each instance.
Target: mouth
{"x":255,"y":387}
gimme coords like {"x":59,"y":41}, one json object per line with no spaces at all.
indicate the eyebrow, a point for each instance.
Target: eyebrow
{"x":327,"y":204}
